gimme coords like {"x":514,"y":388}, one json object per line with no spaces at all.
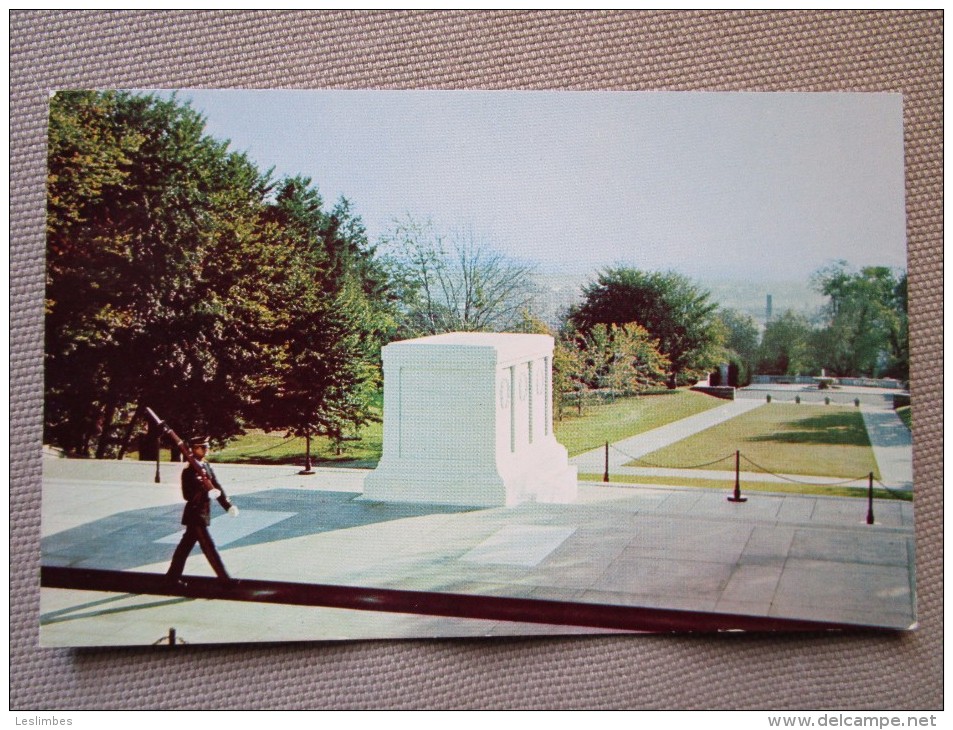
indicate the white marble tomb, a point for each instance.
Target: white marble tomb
{"x":468,"y":420}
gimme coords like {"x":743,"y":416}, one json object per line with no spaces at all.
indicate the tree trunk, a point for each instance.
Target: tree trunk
{"x":107,"y":429}
{"x":86,"y":432}
{"x":127,"y":435}
{"x":83,"y":443}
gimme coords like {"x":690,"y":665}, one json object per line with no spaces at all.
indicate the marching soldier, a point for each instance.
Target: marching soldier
{"x":196,"y":515}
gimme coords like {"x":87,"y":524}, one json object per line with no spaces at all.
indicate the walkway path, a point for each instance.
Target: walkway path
{"x":892,"y":443}
{"x":889,"y":437}
{"x":645,"y":443}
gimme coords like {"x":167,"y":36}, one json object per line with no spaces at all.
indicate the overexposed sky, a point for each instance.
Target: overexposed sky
{"x":755,"y":186}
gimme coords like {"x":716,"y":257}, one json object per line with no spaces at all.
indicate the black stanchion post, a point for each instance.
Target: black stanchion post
{"x":605,"y":475}
{"x":307,"y":471}
{"x":736,"y":497}
{"x":870,"y":498}
{"x":172,"y":637}
{"x":158,"y":457}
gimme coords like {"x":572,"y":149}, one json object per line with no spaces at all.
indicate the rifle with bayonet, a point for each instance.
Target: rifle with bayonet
{"x":184,"y":448}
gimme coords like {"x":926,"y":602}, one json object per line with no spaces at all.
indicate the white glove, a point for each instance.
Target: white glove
{"x":214,"y":493}
{"x":233,"y":511}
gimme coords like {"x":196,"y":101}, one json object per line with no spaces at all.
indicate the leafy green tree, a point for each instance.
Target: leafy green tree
{"x":865,"y":321}
{"x":569,"y":384}
{"x":741,"y":342}
{"x":147,"y":218}
{"x":88,"y":157}
{"x":454,"y":284}
{"x":898,"y":363}
{"x":673,"y":310}
{"x":624,"y":359}
{"x":181,"y":277}
{"x":785,"y":347}
{"x":334,"y":315}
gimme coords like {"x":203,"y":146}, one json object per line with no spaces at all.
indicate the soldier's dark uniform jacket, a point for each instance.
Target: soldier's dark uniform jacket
{"x":196,"y":518}
{"x":197,"y":503}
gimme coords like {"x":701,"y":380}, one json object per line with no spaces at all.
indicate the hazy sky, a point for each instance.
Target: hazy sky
{"x":713,"y":185}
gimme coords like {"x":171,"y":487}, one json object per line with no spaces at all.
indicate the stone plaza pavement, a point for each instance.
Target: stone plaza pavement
{"x":790,"y":556}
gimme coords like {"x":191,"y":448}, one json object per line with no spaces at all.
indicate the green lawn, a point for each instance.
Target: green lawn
{"x":600,"y":422}
{"x":906,"y":415}
{"x":628,"y":417}
{"x":273,"y":447}
{"x":782,"y":438}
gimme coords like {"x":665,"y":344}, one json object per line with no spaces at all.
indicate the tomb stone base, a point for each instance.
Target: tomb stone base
{"x":468,"y":421}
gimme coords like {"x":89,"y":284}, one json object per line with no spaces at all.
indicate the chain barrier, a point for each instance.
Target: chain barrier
{"x":585,"y":449}
{"x":259,"y":478}
{"x":284,"y":442}
{"x":718,"y":461}
{"x":170,"y":639}
{"x":660,"y":466}
{"x":797,"y":481}
{"x":895,"y":493}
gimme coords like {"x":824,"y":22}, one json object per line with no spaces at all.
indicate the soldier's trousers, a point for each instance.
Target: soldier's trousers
{"x":196,"y":534}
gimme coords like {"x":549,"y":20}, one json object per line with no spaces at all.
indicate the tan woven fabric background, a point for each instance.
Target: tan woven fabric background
{"x":804,"y":51}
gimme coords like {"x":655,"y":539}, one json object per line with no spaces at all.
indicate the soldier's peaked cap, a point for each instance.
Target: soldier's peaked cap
{"x":199,"y":441}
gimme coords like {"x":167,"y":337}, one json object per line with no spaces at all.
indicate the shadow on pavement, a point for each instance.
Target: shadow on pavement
{"x":128,"y":539}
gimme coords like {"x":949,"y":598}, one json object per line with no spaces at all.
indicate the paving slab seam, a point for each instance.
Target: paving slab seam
{"x":772,"y":604}
{"x":825,"y":499}
{"x":860,"y":527}
{"x":613,"y":511}
{"x":739,"y":568}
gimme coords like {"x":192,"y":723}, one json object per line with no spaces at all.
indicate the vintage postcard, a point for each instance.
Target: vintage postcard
{"x":396,"y":364}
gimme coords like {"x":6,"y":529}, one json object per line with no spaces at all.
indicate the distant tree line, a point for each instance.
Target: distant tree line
{"x":182,"y":277}
{"x":635,"y":331}
{"x":862,"y":329}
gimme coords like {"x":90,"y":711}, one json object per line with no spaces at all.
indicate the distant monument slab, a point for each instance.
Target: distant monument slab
{"x":468,"y":420}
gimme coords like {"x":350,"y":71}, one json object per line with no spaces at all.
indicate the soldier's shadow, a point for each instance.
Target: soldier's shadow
{"x":129,"y":539}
